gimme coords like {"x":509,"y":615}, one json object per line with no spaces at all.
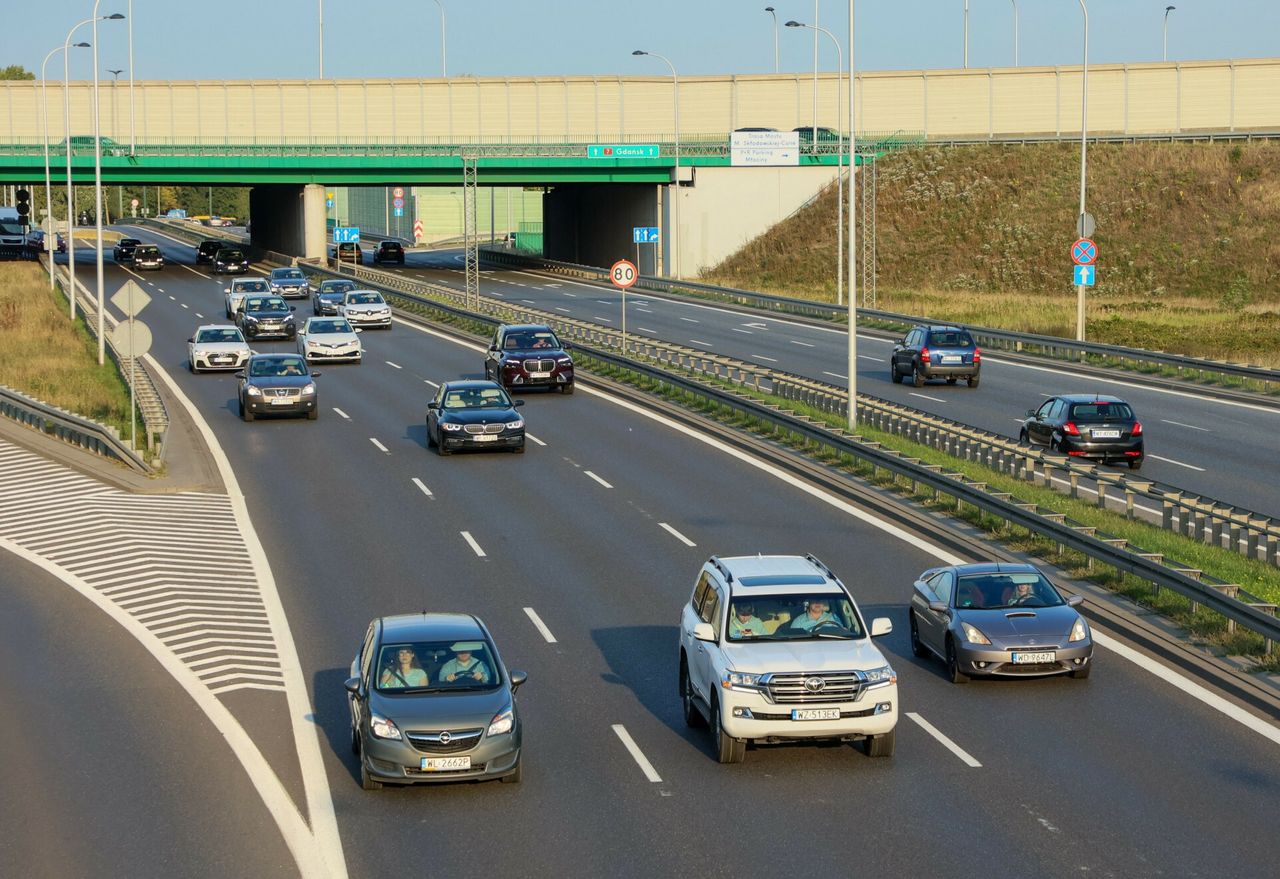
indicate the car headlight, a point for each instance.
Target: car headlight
{"x":383,"y":727}
{"x":1080,"y":630}
{"x":450,"y":427}
{"x":252,"y":391}
{"x":513,"y":364}
{"x":515,"y":425}
{"x":288,"y":317}
{"x":503,"y":721}
{"x":740,"y":680}
{"x":564,"y":361}
{"x":250,"y":319}
{"x":883,"y":675}
{"x":309,"y":389}
{"x":973,"y":636}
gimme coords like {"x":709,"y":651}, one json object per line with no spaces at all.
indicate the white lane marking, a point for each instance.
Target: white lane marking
{"x":947,"y":743}
{"x":418,"y":482}
{"x":802,"y":344}
{"x":430,"y":382}
{"x":570,"y":295}
{"x":700,"y":342}
{"x":691,"y":320}
{"x":604,"y":302}
{"x":527,"y":301}
{"x":471,"y":541}
{"x":393,"y":365}
{"x":1188,"y":426}
{"x":159,"y":289}
{"x":636,"y":754}
{"x":379,"y":446}
{"x":184,"y":305}
{"x":836,"y":375}
{"x":562,"y":308}
{"x":199,"y":315}
{"x":1178,"y":463}
{"x":645,"y":310}
{"x":597,"y":479}
{"x":868,"y":357}
{"x":740,"y":330}
{"x":194,"y":272}
{"x":173,"y":298}
{"x":676,"y":534}
{"x":757,"y":325}
{"x":647,"y":330}
{"x":533,"y":438}
{"x":605,"y":319}
{"x":494,"y":293}
{"x":927,"y":397}
{"x":540,"y":625}
{"x":762,"y":357}
{"x":341,"y":414}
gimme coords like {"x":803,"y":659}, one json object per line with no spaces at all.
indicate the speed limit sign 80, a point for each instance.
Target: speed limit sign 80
{"x":623,"y":273}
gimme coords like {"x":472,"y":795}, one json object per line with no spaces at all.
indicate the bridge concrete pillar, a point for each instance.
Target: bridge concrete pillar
{"x":315,"y":236}
{"x":289,"y":219}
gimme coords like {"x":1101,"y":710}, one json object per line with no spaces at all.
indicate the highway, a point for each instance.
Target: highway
{"x":585,"y":540}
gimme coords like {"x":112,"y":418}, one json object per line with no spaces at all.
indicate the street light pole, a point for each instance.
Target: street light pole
{"x":444,"y":46}
{"x":774,"y":13}
{"x":966,"y":34}
{"x":321,"y":39}
{"x":1167,"y":10}
{"x":115,"y":114}
{"x":852,"y":362}
{"x":815,"y":76}
{"x":1015,"y":32}
{"x":1084,"y":159}
{"x":133,"y":130}
{"x":97,"y":186}
{"x":48,"y":179}
{"x":675,"y":190}
{"x":71,"y":190}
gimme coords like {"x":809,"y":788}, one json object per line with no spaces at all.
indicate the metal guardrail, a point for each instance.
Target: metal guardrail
{"x":1051,"y":346}
{"x":1237,"y":606}
{"x":100,"y":439}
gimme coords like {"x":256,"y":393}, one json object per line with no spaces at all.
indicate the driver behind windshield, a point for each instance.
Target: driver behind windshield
{"x":815,"y":615}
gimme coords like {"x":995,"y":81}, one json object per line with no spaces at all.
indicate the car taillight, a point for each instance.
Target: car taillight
{"x":924,"y":353}
{"x":1070,"y":429}
{"x":1137,"y":428}
{"x":977,"y":355}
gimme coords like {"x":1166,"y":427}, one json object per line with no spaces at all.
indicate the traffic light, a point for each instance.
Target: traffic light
{"x":23,"y":206}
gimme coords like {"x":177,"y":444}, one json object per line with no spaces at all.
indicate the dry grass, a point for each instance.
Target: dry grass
{"x":1188,"y":235}
{"x":44,"y":357}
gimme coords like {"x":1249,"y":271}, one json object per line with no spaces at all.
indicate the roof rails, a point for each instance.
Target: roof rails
{"x":814,"y":559}
{"x":724,"y":570}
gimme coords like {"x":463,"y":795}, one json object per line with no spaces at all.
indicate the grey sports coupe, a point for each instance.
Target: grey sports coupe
{"x":996,"y":619}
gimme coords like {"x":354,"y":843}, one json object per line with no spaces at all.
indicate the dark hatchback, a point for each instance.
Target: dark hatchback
{"x":474,"y":415}
{"x":206,"y":249}
{"x":277,"y":384}
{"x":230,"y":261}
{"x":262,"y":317}
{"x":529,"y":356}
{"x":123,"y":251}
{"x":349,"y":252}
{"x":147,"y":256}
{"x":929,"y":352}
{"x":389,"y":251}
{"x":1092,"y":426}
{"x":330,"y":295}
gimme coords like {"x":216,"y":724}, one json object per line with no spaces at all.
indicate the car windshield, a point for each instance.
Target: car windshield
{"x":951,"y":339}
{"x":435,"y":666}
{"x":251,"y":286}
{"x":329,"y":326}
{"x":230,"y":255}
{"x":223,"y":334}
{"x":792,"y":617}
{"x":1096,"y":413}
{"x":367,"y":298}
{"x":266,"y":304}
{"x":287,"y":275}
{"x":128,"y":242}
{"x":389,"y":245}
{"x":269,"y":367}
{"x":148,"y":250}
{"x":537,"y":339}
{"x":477,"y":398}
{"x":1003,"y":590}
{"x":337,"y":287}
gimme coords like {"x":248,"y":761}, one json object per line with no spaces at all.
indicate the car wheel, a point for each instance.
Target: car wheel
{"x":515,"y":777}
{"x":246,"y":413}
{"x":431,"y":438}
{"x":728,"y":749}
{"x":440,"y":447}
{"x":953,"y":665}
{"x":367,"y":781}
{"x":191,"y":365}
{"x":692,"y":716}
{"x":951,"y":380}
{"x":355,"y":741}
{"x":313,"y":414}
{"x":567,"y":389}
{"x":882,"y":745}
{"x":1022,"y":436}
{"x":916,"y":647}
{"x":917,"y":377}
{"x":1062,"y":447}
{"x":1081,"y":674}
{"x":973,"y":381}
{"x":894,"y":374}
{"x":1135,"y":464}
{"x":519,"y":450}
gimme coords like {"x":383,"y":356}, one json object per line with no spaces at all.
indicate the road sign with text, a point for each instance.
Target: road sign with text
{"x":623,"y":151}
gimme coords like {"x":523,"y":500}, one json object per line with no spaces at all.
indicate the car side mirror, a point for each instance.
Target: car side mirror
{"x":240,"y":374}
{"x":1075,"y":601}
{"x":938,"y":606}
{"x":1031,"y":413}
{"x":517,"y":403}
{"x":517,"y":678}
{"x":493,"y":348}
{"x":704,"y":632}
{"x":352,"y":685}
{"x":192,"y":339}
{"x":293,"y":308}
{"x":226,"y":289}
{"x":566,"y":346}
{"x":316,"y":374}
{"x":881,"y":626}
{"x":433,"y":405}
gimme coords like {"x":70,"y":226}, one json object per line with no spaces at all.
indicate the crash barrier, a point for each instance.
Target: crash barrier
{"x":101,"y":439}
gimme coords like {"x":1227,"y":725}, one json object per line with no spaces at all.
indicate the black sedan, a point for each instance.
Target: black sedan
{"x":277,"y":384}
{"x":207,"y":248}
{"x":1095,"y":426}
{"x":999,"y":620}
{"x":266,"y":317}
{"x":329,"y":296}
{"x":123,"y":251}
{"x":229,"y":261}
{"x":474,"y":415}
{"x":529,"y":356}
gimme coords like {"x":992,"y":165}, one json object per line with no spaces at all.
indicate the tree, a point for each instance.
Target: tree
{"x":16,"y":71}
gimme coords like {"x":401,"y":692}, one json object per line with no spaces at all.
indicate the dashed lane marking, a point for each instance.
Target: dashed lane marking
{"x":427,"y":381}
{"x":676,"y":534}
{"x":379,"y":446}
{"x":700,"y":342}
{"x":540,"y":625}
{"x":341,"y":414}
{"x":471,"y":542}
{"x":647,"y":330}
{"x":533,"y":438}
{"x":597,"y":479}
{"x":802,"y":344}
{"x":927,"y":397}
{"x":1188,"y":426}
{"x":744,"y":332}
{"x":1177,"y":463}
{"x":690,"y":320}
{"x":393,"y":365}
{"x":762,"y":357}
{"x":839,"y":375}
{"x":421,"y":485}
{"x":946,"y":742}
{"x":636,"y":754}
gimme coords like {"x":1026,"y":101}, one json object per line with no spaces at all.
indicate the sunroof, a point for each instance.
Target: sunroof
{"x":784,"y":580}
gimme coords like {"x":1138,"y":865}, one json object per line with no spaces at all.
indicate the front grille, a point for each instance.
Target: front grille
{"x":1029,"y":668}
{"x":760,"y":715}
{"x":290,"y":393}
{"x":837,"y":686}
{"x":459,"y":740}
{"x":482,"y":428}
{"x":539,"y":365}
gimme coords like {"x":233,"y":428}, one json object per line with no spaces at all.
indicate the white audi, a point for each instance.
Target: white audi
{"x":329,"y":338}
{"x":366,"y":308}
{"x":217,"y":346}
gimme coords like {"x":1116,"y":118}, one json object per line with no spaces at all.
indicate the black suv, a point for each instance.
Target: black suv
{"x":266,"y":316}
{"x":389,"y":251}
{"x":529,"y":355}
{"x":207,"y":248}
{"x":123,"y":251}
{"x":936,"y":352}
{"x":229,"y":261}
{"x":1094,"y":426}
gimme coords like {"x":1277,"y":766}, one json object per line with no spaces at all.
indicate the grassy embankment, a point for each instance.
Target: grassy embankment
{"x":46,"y":358}
{"x":1188,"y":234}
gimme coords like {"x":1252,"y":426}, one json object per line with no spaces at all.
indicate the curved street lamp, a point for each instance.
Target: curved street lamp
{"x":48,"y":180}
{"x":97,"y":181}
{"x":773,"y":12}
{"x":675,"y":191}
{"x":1167,"y":10}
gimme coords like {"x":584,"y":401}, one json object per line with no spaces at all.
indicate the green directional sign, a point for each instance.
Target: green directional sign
{"x":622,"y":151}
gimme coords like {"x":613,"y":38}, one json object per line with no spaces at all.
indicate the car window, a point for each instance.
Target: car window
{"x":1003,"y":590}
{"x":365,"y":298}
{"x":436,"y":666}
{"x":710,"y":612}
{"x":249,"y":286}
{"x":277,"y":366}
{"x":219,"y":335}
{"x":1059,"y":406}
{"x":230,"y":254}
{"x":700,"y":592}
{"x":266,"y":304}
{"x":951,"y":339}
{"x":330,"y":326}
{"x":1095,"y":413}
{"x":797,"y":617}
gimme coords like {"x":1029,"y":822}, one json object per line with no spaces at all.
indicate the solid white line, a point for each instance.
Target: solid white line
{"x":700,"y":342}
{"x":636,"y":754}
{"x":950,"y":745}
{"x":393,"y":365}
{"x":418,"y":482}
{"x":341,"y":414}
{"x":540,"y":625}
{"x":691,"y":320}
{"x":676,"y":534}
{"x":762,"y":357}
{"x":533,"y":438}
{"x":804,"y":344}
{"x":379,"y":446}
{"x":927,"y":397}
{"x":1189,"y":426}
{"x":744,"y":332}
{"x":1178,"y":463}
{"x":597,"y":479}
{"x":836,"y":374}
{"x":471,"y":541}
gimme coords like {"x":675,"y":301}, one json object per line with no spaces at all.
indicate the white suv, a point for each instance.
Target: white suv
{"x":774,"y":649}
{"x":235,"y":294}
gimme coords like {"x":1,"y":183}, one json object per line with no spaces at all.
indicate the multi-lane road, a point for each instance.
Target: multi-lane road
{"x":579,"y":555}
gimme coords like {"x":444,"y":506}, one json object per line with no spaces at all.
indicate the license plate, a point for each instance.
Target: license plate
{"x":1034,"y":658}
{"x":539,"y":375}
{"x":281,"y":401}
{"x":1106,"y":434}
{"x":436,"y":764}
{"x":222,"y":359}
{"x":485,"y":438}
{"x":815,"y":713}
{"x":952,"y":358}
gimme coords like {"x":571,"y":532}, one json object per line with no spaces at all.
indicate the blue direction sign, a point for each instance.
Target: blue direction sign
{"x":1084,"y":252}
{"x":644,"y":234}
{"x":328,"y":202}
{"x":398,"y":212}
{"x":1084,"y":276}
{"x":346,"y":235}
{"x":622,"y":151}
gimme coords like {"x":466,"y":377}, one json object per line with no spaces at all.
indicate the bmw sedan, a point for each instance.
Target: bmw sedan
{"x":217,"y":346}
{"x":147,"y":256}
{"x":474,"y":415}
{"x":999,"y":620}
{"x":431,"y":701}
{"x":329,"y":338}
{"x":1095,"y":426}
{"x":266,"y":317}
{"x":529,"y":356}
{"x":230,"y":261}
{"x":289,"y":283}
{"x":329,"y":296}
{"x":366,"y":308}
{"x":277,"y":384}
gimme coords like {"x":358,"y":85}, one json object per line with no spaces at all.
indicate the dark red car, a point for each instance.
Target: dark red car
{"x":529,"y":356}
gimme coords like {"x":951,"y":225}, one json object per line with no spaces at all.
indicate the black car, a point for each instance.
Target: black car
{"x":929,"y":352}
{"x":277,"y":384}
{"x":349,"y":252}
{"x":1093,"y":426}
{"x":36,"y":242}
{"x":329,"y":296}
{"x":825,"y":135}
{"x":389,"y":251}
{"x":123,"y":251}
{"x":474,"y":415}
{"x":529,"y":356}
{"x":229,"y":261}
{"x":147,"y":256}
{"x":207,"y":248}
{"x":262,"y":317}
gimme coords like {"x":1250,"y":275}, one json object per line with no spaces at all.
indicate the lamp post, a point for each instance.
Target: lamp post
{"x":774,"y":13}
{"x":1015,"y":32}
{"x":1084,"y":158}
{"x":321,"y":19}
{"x":115,"y":79}
{"x":839,"y":161}
{"x":815,"y":74}
{"x":1167,"y":10}
{"x":48,"y":180}
{"x":97,"y":183}
{"x":133,"y":131}
{"x":444,"y":48}
{"x":675,"y":190}
{"x":852,"y":356}
{"x":966,"y":34}
{"x":71,"y":190}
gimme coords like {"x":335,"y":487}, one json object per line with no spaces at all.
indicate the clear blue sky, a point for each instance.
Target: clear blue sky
{"x":267,"y":39}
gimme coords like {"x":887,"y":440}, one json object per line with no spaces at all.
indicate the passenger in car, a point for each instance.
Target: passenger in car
{"x":745,"y":623}
{"x":405,"y":673}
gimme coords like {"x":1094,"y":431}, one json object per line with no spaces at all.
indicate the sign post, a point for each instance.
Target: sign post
{"x":646,"y":235}
{"x":623,"y":274}
{"x":132,"y":339}
{"x":1084,"y":253}
{"x":134,"y":205}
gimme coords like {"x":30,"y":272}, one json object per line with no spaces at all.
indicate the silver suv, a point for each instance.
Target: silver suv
{"x":774,"y":649}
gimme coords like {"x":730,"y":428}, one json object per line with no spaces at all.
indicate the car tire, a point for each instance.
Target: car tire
{"x":519,"y":450}
{"x":355,"y":741}
{"x":882,"y":745}
{"x":917,"y":377}
{"x":246,"y":413}
{"x":313,"y":414}
{"x":367,"y":781}
{"x":431,"y":438}
{"x":515,"y":777}
{"x":692,"y":716}
{"x":567,"y":389}
{"x":953,"y":665}
{"x":191,"y":365}
{"x":973,"y":381}
{"x":894,"y":374}
{"x":917,"y":649}
{"x":728,"y":749}
{"x":1023,"y":438}
{"x":1082,"y":674}
{"x":1135,"y":464}
{"x":440,"y":446}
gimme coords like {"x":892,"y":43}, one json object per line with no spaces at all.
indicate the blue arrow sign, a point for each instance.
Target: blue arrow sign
{"x":1084,"y":276}
{"x":346,"y":235}
{"x":644,"y":235}
{"x":398,"y":212}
